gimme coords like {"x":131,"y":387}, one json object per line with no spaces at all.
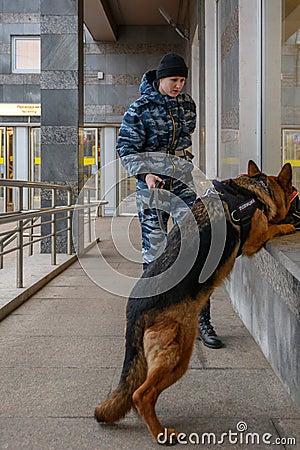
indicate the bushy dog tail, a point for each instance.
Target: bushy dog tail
{"x":115,"y":407}
{"x":119,"y":403}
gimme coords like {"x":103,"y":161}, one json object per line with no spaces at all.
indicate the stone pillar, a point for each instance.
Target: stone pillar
{"x":61,"y":100}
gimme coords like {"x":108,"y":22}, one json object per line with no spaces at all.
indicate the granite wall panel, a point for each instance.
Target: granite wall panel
{"x":31,"y":28}
{"x":59,"y":135}
{"x":4,"y":48}
{"x":119,"y":79}
{"x":21,"y":93}
{"x":19,"y":78}
{"x":58,"y":52}
{"x":21,"y":6}
{"x":13,"y":93}
{"x":62,"y":107}
{"x":66,"y":79}
{"x":19,"y":18}
{"x":118,"y":48}
{"x":61,"y":7}
{"x":32,"y":93}
{"x":10,"y":29}
{"x":132,"y":92}
{"x":5,"y":63}
{"x":61,"y":162}
{"x":59,"y":25}
{"x":106,"y":95}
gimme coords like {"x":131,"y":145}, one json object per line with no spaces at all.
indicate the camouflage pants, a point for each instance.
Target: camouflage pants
{"x":155,"y":207}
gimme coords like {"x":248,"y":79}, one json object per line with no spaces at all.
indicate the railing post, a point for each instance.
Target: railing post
{"x":89,"y":217}
{"x":22,"y":219}
{"x":30,"y":238}
{"x":1,"y":256}
{"x":69,"y":224}
{"x":20,"y":242}
{"x":53,"y":229}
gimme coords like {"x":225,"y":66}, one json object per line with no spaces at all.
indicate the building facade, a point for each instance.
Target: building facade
{"x":244,"y":61}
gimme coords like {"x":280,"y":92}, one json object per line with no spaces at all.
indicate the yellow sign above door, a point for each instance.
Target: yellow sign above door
{"x":20,"y":109}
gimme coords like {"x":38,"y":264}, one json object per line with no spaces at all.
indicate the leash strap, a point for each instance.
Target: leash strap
{"x":156,"y":199}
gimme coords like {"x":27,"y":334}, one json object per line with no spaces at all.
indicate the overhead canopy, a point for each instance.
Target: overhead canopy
{"x":291,"y":22}
{"x":102,"y":17}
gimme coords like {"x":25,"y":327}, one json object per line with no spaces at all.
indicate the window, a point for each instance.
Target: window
{"x":290,"y":87}
{"x":26,"y":54}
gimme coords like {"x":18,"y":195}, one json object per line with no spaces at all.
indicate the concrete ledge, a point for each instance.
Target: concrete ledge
{"x":286,"y":250}
{"x":265,"y":292}
{"x":37,"y":273}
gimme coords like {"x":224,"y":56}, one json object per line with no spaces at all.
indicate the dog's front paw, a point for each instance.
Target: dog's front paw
{"x":288,"y":228}
{"x":280,"y":230}
{"x":167,"y":437}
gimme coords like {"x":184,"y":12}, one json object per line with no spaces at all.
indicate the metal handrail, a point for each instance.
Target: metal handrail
{"x":24,"y":217}
{"x":9,"y":237}
{"x":32,"y":184}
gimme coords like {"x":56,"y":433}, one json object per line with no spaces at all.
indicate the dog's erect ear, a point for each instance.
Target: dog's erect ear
{"x":253,"y":169}
{"x":285,"y":175}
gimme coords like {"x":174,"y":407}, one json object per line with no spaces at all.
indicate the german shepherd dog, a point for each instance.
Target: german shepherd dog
{"x":161,"y":328}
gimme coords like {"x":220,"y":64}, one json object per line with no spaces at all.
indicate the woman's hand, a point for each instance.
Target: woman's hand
{"x":151,"y":181}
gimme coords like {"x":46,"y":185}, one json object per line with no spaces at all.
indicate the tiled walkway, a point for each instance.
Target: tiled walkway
{"x":62,"y":351}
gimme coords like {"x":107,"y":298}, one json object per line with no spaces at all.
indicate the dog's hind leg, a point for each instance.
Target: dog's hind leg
{"x":168,"y":346}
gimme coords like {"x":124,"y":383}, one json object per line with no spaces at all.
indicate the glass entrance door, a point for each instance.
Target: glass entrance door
{"x":35,"y":165}
{"x":92,"y":161}
{"x":127,"y":188}
{"x":9,"y":166}
{"x":6,"y":166}
{"x":2,"y":165}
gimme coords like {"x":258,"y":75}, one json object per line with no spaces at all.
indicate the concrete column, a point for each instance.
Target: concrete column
{"x":271,"y":86}
{"x":211,"y":90}
{"x":61,"y":99}
{"x":250,"y":81}
{"x":196,"y":96}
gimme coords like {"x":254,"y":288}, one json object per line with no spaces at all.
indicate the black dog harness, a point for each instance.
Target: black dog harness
{"x":242,"y":204}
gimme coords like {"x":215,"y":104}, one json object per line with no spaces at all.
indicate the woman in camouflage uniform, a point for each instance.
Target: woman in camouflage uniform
{"x":154,"y":146}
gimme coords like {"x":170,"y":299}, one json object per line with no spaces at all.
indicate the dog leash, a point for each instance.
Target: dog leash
{"x":156,"y":198}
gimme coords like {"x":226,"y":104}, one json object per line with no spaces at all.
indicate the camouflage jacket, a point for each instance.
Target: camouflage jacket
{"x":155,"y":129}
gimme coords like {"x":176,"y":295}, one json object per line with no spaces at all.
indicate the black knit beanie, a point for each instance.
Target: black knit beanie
{"x":171,"y":65}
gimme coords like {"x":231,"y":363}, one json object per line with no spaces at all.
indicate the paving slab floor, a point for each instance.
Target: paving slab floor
{"x":62,"y":353}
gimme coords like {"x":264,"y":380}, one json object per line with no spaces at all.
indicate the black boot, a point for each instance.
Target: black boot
{"x":207,"y":333}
